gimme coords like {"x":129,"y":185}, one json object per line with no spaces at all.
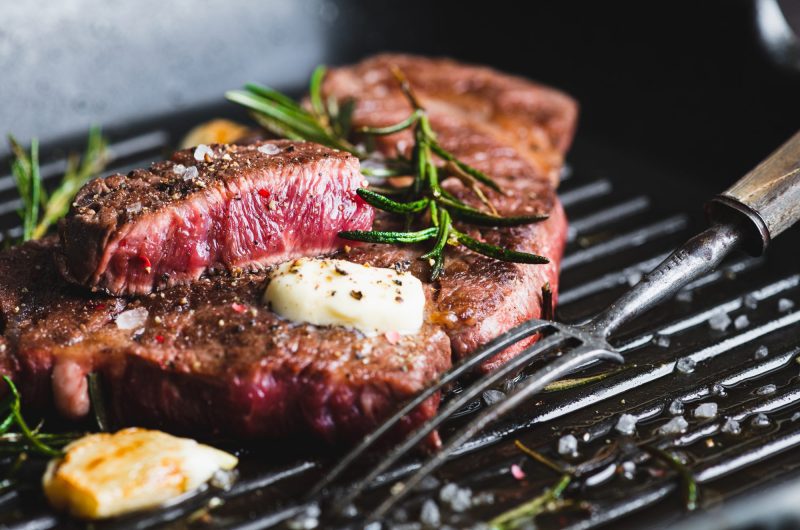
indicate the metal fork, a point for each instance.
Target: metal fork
{"x":761,"y":205}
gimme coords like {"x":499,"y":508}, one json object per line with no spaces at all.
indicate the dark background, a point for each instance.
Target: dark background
{"x":688,"y":85}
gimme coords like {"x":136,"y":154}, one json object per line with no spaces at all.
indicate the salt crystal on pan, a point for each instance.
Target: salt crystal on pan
{"x":761,"y":420}
{"x":731,"y":426}
{"x":719,"y":321}
{"x":766,"y":390}
{"x":741,"y":322}
{"x":718,"y":390}
{"x":430,"y":515}
{"x":761,"y":352}
{"x":568,"y":445}
{"x":784,"y":305}
{"x":179,"y":169}
{"x":191,"y":173}
{"x":686,"y":365}
{"x":676,"y":407}
{"x":661,"y":340}
{"x":685,"y":296}
{"x":706,"y":410}
{"x":269,"y":149}
{"x":459,"y":499}
{"x":628,"y":469}
{"x":132,"y":318}
{"x":634,"y":278}
{"x":493,"y":396}
{"x":750,"y":301}
{"x":627,"y":424}
{"x":676,"y":425}
{"x":201,"y":151}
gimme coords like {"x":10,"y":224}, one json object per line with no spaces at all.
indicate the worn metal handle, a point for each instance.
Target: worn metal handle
{"x":769,"y":196}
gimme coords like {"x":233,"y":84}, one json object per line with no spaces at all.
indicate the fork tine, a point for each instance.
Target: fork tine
{"x":469,"y":393}
{"x":514,"y":335}
{"x":532,"y":385}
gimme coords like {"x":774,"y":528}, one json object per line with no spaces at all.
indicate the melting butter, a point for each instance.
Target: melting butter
{"x":104,"y":475}
{"x":333,"y":292}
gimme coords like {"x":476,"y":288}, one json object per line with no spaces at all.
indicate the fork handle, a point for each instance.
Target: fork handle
{"x":764,"y":203}
{"x":768,"y":196}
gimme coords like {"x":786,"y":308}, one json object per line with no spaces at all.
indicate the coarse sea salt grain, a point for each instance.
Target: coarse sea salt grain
{"x":490,"y":397}
{"x":191,"y":173}
{"x":718,"y":390}
{"x":459,"y":499}
{"x":761,"y":352}
{"x":766,"y":390}
{"x":132,"y":318}
{"x":684,"y":296}
{"x":201,"y":151}
{"x":179,"y":169}
{"x":784,"y":305}
{"x":761,"y":420}
{"x":661,"y":340}
{"x":741,"y":322}
{"x":719,"y":321}
{"x":430,"y":515}
{"x":676,"y":425}
{"x":568,"y":445}
{"x":706,"y":410}
{"x":731,"y":426}
{"x":686,"y":365}
{"x":676,"y":407}
{"x":750,"y":301}
{"x":626,"y":424}
{"x":269,"y":149}
{"x":136,"y":207}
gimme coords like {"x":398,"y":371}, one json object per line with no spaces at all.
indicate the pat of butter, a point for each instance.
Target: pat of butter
{"x":104,"y":475}
{"x":341,"y":293}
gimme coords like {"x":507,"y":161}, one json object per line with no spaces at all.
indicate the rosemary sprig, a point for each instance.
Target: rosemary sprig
{"x":34,"y":197}
{"x":324,"y":124}
{"x":688,"y":482}
{"x":27,"y":439}
{"x":524,"y":513}
{"x":424,"y":200}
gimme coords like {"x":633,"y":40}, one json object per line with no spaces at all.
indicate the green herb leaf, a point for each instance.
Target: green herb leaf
{"x":499,"y":253}
{"x":379,"y":201}
{"x":374,"y":236}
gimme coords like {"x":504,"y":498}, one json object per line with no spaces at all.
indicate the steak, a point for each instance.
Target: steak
{"x":512,"y":129}
{"x":238,"y":207}
{"x":207,"y":356}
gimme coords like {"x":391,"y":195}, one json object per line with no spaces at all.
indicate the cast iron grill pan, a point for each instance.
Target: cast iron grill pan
{"x":623,"y":221}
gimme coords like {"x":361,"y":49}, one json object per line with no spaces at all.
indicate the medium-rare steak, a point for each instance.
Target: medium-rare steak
{"x":237,"y":207}
{"x":206,"y":357}
{"x":511,"y":129}
{"x":209,"y":356}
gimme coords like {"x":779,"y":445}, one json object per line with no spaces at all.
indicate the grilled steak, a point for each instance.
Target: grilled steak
{"x":208,"y":356}
{"x":238,"y":207}
{"x":513,"y":130}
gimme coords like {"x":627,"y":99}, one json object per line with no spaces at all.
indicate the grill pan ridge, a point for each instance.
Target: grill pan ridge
{"x":619,"y":230}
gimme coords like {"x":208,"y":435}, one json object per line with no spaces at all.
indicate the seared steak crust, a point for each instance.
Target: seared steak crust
{"x":239,"y":207}
{"x":207,"y":357}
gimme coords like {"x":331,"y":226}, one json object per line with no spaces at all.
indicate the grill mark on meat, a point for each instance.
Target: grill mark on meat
{"x":244,"y":210}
